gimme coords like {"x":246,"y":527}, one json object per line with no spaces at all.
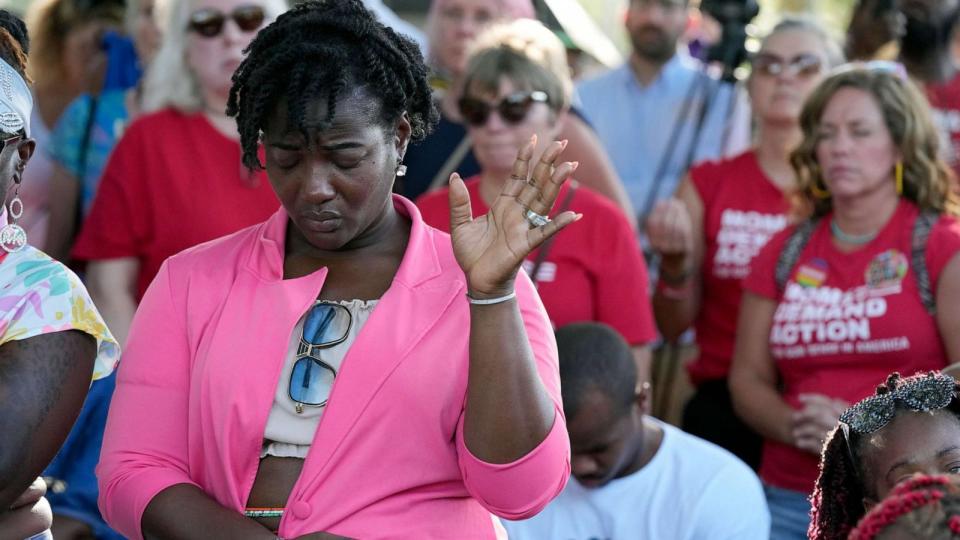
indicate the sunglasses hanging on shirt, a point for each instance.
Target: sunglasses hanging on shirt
{"x":311,"y":380}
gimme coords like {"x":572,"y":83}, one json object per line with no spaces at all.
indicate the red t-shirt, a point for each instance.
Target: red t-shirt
{"x":847,"y":320}
{"x":945,"y":104}
{"x":742,"y":209}
{"x":172,"y":182}
{"x":594,"y":270}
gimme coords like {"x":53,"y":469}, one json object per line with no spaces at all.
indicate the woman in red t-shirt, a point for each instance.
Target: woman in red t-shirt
{"x":722,"y":215}
{"x":591,"y":272}
{"x":175,"y":180}
{"x":838,"y":302}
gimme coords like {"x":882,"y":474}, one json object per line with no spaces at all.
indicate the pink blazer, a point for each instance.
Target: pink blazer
{"x":198,"y":376}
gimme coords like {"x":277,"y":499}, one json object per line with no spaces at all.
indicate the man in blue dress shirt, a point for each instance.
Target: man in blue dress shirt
{"x":660,"y":112}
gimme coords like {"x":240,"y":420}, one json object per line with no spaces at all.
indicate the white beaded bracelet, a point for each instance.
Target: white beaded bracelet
{"x":490,"y":301}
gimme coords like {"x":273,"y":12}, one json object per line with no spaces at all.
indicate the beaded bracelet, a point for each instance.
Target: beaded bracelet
{"x":675,"y":293}
{"x":490,"y":301}
{"x":263,"y":512}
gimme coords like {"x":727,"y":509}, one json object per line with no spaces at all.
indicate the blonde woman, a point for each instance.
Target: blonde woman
{"x":722,"y":214}
{"x":175,"y":178}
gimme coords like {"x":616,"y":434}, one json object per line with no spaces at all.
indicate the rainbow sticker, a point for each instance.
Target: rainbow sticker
{"x":886,"y":270}
{"x":812,"y":274}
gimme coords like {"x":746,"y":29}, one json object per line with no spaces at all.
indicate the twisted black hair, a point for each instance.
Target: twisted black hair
{"x":837,"y":500}
{"x":326,"y":49}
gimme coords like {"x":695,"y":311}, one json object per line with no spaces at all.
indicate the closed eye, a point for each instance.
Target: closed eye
{"x":285,"y":157}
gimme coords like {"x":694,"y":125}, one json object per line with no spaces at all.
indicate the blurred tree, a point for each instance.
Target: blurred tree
{"x":834,"y":13}
{"x":15,"y":6}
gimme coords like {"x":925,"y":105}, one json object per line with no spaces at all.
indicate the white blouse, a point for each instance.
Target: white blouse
{"x":289,"y":433}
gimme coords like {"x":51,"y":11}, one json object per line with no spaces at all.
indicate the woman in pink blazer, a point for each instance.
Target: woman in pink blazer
{"x":342,"y":369}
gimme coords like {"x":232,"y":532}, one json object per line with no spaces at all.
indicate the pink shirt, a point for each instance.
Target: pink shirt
{"x":388,"y":460}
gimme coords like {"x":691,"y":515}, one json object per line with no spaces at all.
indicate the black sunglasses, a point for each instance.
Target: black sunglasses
{"x":209,"y":22}
{"x":311,"y":380}
{"x":512,"y":108}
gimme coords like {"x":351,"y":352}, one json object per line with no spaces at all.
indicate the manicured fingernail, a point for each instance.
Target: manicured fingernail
{"x":533,"y":139}
{"x":577,"y":217}
{"x":575,"y":164}
{"x":563,"y":143}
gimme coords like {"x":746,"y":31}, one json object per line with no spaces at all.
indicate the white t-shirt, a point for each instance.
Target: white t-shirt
{"x":690,"y":490}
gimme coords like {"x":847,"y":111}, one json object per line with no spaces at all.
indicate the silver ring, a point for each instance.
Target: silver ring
{"x":535,"y":219}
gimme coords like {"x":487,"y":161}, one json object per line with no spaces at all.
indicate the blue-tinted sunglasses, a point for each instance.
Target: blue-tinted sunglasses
{"x":311,"y":380}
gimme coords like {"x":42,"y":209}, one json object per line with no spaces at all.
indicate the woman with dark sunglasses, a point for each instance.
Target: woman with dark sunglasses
{"x":909,"y":425}
{"x":343,"y":368}
{"x":516,"y":85}
{"x":452,"y":25}
{"x":864,"y":285}
{"x":51,"y":337}
{"x":721,"y":215}
{"x":175,"y":179}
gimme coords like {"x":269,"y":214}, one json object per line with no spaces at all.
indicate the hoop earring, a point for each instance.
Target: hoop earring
{"x":819,"y":192}
{"x":12,"y":236}
{"x":898,"y":177}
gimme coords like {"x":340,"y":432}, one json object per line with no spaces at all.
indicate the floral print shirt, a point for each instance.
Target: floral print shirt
{"x":39,"y":295}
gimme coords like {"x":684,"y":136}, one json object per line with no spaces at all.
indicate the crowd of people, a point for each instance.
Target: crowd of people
{"x":301,"y":271}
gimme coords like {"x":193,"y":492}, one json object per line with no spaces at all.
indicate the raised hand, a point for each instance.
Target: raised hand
{"x":491,"y":248}
{"x":669,"y":229}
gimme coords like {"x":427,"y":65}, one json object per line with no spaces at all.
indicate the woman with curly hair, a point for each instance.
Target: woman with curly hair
{"x":910,"y":425}
{"x":343,"y":367}
{"x":863,"y":286}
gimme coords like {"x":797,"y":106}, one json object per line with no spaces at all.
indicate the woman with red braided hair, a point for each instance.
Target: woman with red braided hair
{"x":924,"y":506}
{"x":910,"y":425}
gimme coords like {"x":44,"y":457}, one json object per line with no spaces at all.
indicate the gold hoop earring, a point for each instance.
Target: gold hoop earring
{"x":898,"y":177}
{"x":819,"y":192}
